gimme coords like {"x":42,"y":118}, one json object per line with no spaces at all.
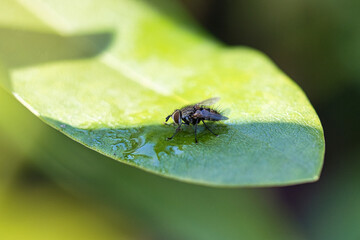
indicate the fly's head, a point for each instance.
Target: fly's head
{"x":176,"y":116}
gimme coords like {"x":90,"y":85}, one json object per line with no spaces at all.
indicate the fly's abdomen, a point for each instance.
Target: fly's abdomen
{"x":209,"y":114}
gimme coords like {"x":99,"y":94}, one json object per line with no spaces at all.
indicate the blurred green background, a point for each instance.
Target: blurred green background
{"x":317,"y":43}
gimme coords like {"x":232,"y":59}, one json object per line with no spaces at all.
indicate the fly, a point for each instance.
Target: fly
{"x":194,"y":114}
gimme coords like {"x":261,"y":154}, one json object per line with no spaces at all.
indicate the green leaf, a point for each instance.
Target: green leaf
{"x":108,"y":75}
{"x":164,"y":208}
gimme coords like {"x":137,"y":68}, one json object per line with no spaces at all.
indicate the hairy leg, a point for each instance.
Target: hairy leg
{"x":176,"y":131}
{"x":208,"y":128}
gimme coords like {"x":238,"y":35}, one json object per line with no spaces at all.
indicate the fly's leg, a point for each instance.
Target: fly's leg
{"x":176,"y":131}
{"x":208,"y":128}
{"x":196,"y":141}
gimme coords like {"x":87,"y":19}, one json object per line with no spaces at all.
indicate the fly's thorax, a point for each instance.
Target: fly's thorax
{"x":187,"y":111}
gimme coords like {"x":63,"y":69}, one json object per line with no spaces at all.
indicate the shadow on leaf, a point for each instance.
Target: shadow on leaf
{"x":248,"y":154}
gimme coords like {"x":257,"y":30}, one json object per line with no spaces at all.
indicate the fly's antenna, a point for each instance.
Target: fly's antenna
{"x":167,"y":118}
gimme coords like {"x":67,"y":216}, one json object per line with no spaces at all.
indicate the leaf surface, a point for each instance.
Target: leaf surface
{"x":107,"y":73}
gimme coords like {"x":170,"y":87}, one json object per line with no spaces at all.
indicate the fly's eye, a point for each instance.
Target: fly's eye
{"x":177,"y":117}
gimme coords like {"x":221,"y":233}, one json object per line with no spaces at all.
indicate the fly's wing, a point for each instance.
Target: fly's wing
{"x":208,"y":102}
{"x":210,"y":115}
